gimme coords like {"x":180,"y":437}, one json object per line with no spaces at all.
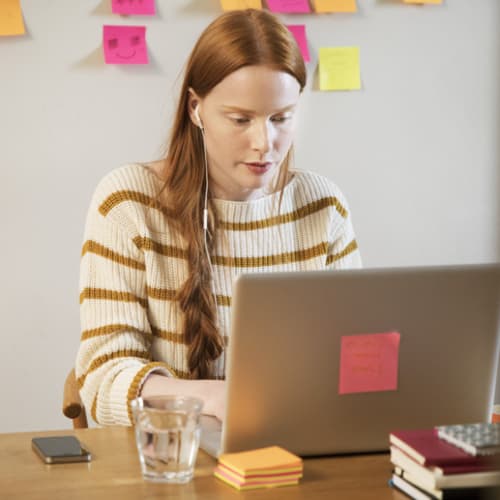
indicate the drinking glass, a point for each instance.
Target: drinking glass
{"x":167,"y":431}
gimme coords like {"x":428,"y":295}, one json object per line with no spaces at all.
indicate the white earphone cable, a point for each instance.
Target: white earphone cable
{"x":205,"y":208}
{"x":205,"y":235}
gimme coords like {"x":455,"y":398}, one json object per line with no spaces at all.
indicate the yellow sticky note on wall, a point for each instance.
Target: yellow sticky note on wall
{"x":11,"y":18}
{"x":339,"y":68}
{"x":241,"y":4}
{"x":422,"y":2}
{"x":335,"y":6}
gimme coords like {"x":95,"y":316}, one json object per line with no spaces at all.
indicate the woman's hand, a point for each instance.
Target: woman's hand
{"x":211,"y":392}
{"x":215,"y":398}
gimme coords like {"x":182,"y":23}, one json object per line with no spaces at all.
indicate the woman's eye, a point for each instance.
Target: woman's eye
{"x":280,"y":119}
{"x":240,"y":120}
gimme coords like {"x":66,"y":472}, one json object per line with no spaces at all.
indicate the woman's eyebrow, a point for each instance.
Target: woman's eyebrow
{"x":237,"y":109}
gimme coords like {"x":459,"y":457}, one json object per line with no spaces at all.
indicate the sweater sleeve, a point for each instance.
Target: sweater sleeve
{"x":114,"y":357}
{"x":343,"y":251}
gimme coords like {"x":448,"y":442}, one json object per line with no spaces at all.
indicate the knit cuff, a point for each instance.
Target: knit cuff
{"x":127,"y":386}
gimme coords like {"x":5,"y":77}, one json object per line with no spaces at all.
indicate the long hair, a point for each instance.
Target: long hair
{"x":232,"y":41}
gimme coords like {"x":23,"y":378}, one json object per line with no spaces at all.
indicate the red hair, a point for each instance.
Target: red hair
{"x":232,"y":41}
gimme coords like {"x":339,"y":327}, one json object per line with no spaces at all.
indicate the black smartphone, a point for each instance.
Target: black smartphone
{"x":60,"y":449}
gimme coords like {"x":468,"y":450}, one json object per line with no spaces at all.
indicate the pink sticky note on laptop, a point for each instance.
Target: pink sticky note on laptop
{"x":369,"y":362}
{"x":291,"y":6}
{"x":125,"y":45}
{"x":299,"y":32}
{"x":131,"y":7}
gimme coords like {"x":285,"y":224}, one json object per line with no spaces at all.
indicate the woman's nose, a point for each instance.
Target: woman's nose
{"x":262,"y":137}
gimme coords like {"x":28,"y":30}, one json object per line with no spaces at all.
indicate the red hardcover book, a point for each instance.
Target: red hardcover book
{"x":425,"y":447}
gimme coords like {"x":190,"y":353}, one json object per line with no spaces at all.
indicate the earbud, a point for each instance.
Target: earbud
{"x":197,"y":114}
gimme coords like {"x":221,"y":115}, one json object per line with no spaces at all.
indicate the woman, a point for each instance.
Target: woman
{"x":164,"y":241}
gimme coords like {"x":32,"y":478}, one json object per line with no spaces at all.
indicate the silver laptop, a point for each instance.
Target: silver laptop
{"x":289,"y":348}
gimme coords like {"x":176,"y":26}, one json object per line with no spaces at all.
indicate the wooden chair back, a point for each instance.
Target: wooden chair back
{"x":72,"y":403}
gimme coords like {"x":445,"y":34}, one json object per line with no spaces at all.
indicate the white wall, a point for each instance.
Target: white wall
{"x":416,"y":152}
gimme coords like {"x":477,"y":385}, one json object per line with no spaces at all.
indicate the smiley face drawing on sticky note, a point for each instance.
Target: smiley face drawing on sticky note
{"x":369,"y":362}
{"x":125,"y":45}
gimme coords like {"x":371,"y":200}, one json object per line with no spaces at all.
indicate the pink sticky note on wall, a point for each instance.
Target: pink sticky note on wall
{"x":124,"y":44}
{"x":369,"y":362}
{"x":137,"y":7}
{"x":293,"y":6}
{"x":299,"y":32}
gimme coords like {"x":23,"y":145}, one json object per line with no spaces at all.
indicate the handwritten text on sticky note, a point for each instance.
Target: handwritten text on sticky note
{"x":125,"y":45}
{"x":131,"y":7}
{"x":240,"y":4}
{"x":291,"y":6}
{"x":11,"y":18}
{"x":335,"y":6}
{"x":299,"y":32}
{"x":339,"y":68}
{"x":369,"y":362}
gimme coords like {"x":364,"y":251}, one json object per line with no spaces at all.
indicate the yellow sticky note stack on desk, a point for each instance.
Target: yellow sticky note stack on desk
{"x":262,"y":468}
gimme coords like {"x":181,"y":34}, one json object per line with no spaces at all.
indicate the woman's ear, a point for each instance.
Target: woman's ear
{"x":194,"y":108}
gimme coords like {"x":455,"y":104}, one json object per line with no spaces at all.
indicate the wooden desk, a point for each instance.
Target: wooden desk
{"x":115,"y":473}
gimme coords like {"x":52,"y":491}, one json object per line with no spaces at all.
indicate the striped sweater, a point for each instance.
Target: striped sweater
{"x":132,"y":264}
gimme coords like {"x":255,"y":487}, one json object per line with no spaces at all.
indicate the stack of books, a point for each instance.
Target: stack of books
{"x":428,"y":467}
{"x":263,"y":468}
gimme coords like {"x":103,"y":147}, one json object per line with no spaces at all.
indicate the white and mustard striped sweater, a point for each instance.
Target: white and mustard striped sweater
{"x":132,"y":264}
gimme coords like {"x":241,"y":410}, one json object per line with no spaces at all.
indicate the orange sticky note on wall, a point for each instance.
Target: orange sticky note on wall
{"x":11,"y":18}
{"x":495,"y":417}
{"x":241,"y":4}
{"x":369,"y":362}
{"x":422,"y":2}
{"x":335,"y":6}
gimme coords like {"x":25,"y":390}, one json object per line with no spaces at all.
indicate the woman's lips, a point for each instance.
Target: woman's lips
{"x":258,"y":167}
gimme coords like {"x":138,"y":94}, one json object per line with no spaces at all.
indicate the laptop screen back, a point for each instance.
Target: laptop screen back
{"x":284,"y":358}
